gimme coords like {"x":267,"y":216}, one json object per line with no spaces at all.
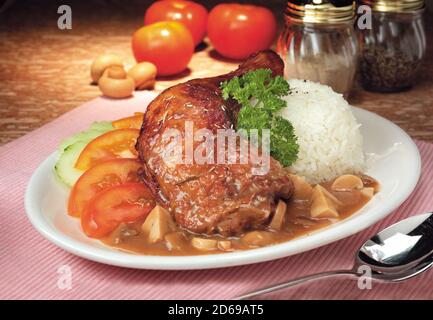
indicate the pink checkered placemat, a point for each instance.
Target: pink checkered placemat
{"x":29,"y":264}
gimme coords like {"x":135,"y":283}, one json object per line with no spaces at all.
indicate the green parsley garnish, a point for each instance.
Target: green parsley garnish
{"x":260,"y":95}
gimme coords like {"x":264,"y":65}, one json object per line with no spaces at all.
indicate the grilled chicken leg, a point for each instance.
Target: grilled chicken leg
{"x":208,"y":198}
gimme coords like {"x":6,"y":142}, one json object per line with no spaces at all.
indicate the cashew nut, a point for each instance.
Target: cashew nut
{"x":115,"y":83}
{"x":144,"y":75}
{"x":101,"y":63}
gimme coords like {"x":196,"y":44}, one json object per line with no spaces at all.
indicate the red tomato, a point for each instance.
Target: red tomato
{"x":167,"y":44}
{"x":111,"y":145}
{"x":237,"y":31}
{"x":98,"y":178}
{"x":123,"y":203}
{"x":191,"y":14}
{"x":133,"y":122}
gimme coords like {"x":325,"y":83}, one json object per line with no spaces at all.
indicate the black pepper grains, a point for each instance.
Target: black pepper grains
{"x":387,"y":70}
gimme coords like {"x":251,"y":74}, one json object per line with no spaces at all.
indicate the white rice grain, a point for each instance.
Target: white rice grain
{"x":328,"y":134}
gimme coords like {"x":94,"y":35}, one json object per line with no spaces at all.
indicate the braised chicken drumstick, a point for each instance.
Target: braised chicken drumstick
{"x":208,"y":198}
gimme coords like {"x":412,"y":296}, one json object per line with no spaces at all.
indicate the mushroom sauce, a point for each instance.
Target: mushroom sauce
{"x":303,"y":214}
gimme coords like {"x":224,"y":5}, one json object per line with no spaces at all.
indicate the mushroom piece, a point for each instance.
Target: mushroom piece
{"x":175,"y":241}
{"x":224,"y":245}
{"x":347,"y":182}
{"x":257,"y":238}
{"x":157,"y":224}
{"x":368,"y":192}
{"x":370,"y":183}
{"x":144,"y":75}
{"x":324,"y":204}
{"x":101,"y":63}
{"x":302,"y":190}
{"x":253,"y":212}
{"x":204,"y":244}
{"x":279,"y":217}
{"x":115,"y":83}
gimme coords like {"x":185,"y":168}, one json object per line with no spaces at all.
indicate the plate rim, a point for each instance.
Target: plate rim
{"x":123,"y":259}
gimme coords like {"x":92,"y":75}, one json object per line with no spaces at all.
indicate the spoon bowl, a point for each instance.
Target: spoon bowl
{"x":399,"y":248}
{"x":399,"y":252}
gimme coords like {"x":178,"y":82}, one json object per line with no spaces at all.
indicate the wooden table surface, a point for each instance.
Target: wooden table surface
{"x":44,"y":71}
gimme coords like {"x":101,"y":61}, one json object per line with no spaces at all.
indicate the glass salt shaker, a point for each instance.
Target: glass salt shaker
{"x":319,"y":42}
{"x":393,"y":47}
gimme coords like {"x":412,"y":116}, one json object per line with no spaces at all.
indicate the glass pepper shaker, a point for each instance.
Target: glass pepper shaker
{"x":393,"y":48}
{"x":319,"y":42}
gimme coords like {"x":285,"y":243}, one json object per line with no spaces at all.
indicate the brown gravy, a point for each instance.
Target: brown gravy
{"x":298,"y":222}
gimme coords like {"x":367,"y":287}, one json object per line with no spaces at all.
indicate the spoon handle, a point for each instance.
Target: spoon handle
{"x":295,"y":282}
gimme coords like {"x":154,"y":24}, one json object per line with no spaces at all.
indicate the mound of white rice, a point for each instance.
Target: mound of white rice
{"x":330,"y":143}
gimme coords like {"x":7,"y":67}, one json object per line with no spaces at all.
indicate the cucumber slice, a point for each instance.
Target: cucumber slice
{"x":101,"y":126}
{"x":70,"y":150}
{"x":96,"y":129}
{"x":65,"y":166}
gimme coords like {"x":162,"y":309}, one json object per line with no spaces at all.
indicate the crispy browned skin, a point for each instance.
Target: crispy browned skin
{"x":208,"y":198}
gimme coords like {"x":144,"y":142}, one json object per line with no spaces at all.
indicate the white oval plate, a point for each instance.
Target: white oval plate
{"x":396,"y":165}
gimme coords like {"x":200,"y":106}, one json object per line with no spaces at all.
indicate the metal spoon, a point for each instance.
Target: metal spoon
{"x":397,"y":253}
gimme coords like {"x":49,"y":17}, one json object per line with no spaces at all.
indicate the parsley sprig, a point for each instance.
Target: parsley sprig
{"x":260,"y":95}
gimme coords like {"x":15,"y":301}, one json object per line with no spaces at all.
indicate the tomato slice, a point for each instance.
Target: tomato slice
{"x":133,"y":122}
{"x":98,"y":178}
{"x":123,"y":203}
{"x":118,"y":143}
